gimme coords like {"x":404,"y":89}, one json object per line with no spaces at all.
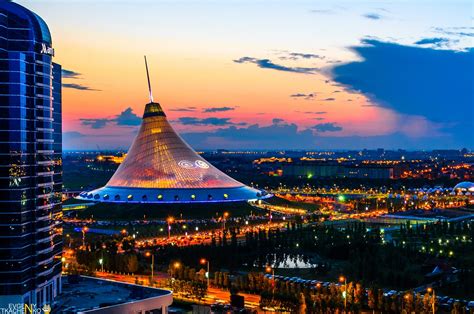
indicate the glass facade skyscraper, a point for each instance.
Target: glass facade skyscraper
{"x":30,"y":160}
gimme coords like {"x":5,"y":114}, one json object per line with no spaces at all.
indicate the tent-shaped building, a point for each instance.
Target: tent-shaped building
{"x":160,"y":167}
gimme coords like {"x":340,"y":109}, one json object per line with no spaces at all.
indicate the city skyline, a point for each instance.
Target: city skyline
{"x":249,"y":75}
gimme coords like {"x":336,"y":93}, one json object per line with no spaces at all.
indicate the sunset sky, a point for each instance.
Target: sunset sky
{"x":267,"y":74}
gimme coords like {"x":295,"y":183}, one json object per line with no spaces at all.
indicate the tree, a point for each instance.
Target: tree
{"x":131,"y":263}
{"x":198,"y":290}
{"x":301,"y":304}
{"x":371,"y":299}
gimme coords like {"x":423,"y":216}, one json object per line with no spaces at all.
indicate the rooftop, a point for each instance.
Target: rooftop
{"x":82,"y":294}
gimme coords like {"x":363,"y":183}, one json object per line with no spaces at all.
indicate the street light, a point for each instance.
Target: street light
{"x":405,"y":302}
{"x":176,"y":265}
{"x":433,"y":299}
{"x":84,"y":230}
{"x":69,"y":238}
{"x":101,"y":262}
{"x":170,"y":220}
{"x":343,"y":279}
{"x":224,"y":218}
{"x":148,"y":254}
{"x":205,"y":261}
{"x":271,"y":270}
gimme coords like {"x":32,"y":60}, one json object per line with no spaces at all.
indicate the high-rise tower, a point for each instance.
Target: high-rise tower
{"x":30,"y":160}
{"x":161,"y":167}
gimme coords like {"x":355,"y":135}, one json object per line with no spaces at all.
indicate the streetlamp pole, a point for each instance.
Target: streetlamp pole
{"x":271,"y":270}
{"x":208,"y":275}
{"x":341,"y":280}
{"x":223,"y":222}
{"x":224,"y":218}
{"x":176,"y":265}
{"x":84,"y":230}
{"x":102,"y":261}
{"x":206,"y":261}
{"x":169,"y":221}
{"x":433,"y":299}
{"x":152,"y":265}
{"x":148,"y":254}
{"x":345,"y":297}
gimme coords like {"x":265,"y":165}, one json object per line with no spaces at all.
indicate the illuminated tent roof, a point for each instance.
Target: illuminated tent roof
{"x":465,"y":186}
{"x":161,"y":167}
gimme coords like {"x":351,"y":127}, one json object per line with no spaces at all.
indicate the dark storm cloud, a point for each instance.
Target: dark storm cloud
{"x":329,"y":99}
{"x":218,"y":109}
{"x":412,"y":80}
{"x":69,"y":74}
{"x":327,"y":127}
{"x":268,"y":64}
{"x":79,"y":87}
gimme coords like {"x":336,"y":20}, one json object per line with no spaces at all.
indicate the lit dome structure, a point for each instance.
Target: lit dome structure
{"x":465,"y":186}
{"x":161,"y":167}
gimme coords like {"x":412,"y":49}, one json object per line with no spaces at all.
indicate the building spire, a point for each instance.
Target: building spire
{"x":148,"y":77}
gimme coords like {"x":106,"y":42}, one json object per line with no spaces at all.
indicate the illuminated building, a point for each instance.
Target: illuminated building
{"x":160,"y":167}
{"x":30,"y":160}
{"x":113,"y":159}
{"x":465,"y":187}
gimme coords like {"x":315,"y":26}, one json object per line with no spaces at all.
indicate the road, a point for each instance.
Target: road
{"x":214,"y":294}
{"x":198,"y":238}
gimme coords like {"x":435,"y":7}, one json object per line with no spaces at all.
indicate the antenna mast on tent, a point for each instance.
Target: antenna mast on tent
{"x":148,"y":77}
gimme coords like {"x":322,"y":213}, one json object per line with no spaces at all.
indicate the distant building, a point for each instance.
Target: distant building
{"x":30,"y":160}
